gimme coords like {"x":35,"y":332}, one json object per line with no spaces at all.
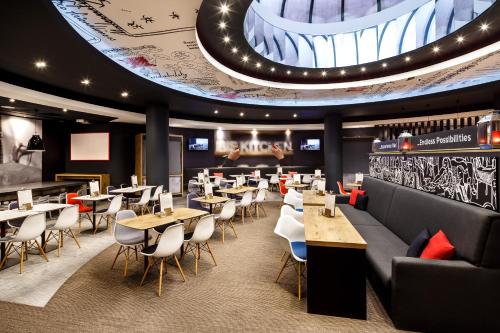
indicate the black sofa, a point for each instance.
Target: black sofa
{"x":460,"y":295}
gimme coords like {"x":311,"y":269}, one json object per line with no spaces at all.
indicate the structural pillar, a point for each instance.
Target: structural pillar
{"x":157,"y":166}
{"x":333,"y":150}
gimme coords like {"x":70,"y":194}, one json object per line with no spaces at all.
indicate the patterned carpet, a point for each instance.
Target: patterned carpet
{"x":237,"y":295}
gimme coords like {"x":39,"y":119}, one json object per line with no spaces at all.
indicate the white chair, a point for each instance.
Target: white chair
{"x":128,"y":238}
{"x":295,"y":193}
{"x":217,"y":181}
{"x":314,"y":184}
{"x":263,"y":183}
{"x":288,"y":182}
{"x":66,"y":219}
{"x":258,"y":202}
{"x":109,"y":214}
{"x":142,"y":204}
{"x":226,"y":216}
{"x":245,"y":205}
{"x":307,"y":179}
{"x":156,"y":195}
{"x":170,"y":242}
{"x":287,"y":210}
{"x":292,"y":200}
{"x":199,"y":240}
{"x":292,"y":240}
{"x":274,"y":181}
{"x":32,"y":227}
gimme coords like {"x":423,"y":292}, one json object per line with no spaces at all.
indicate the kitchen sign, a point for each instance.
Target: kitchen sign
{"x":258,"y":145}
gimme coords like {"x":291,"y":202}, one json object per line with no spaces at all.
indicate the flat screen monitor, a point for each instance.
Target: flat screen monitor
{"x":198,"y":144}
{"x":309,"y":144}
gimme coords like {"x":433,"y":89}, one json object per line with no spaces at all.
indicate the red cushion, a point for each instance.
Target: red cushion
{"x":354,"y":195}
{"x":439,"y":247}
{"x":84,"y":209}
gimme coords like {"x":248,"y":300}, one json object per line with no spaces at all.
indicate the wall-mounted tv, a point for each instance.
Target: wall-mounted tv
{"x":310,"y":144}
{"x":198,"y":144}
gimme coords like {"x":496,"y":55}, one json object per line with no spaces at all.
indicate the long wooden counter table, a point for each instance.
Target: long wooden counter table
{"x":103,"y":178}
{"x":336,"y":265}
{"x":310,"y":198}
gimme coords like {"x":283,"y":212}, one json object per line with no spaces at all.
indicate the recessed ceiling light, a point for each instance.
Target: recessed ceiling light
{"x":295,"y":115}
{"x":484,"y":26}
{"x":305,"y":73}
{"x":222,"y":25}
{"x":224,"y":8}
{"x":287,"y":132}
{"x":273,"y":69}
{"x":258,"y":65}
{"x":124,"y":94}
{"x":267,"y":115}
{"x":226,"y":39}
{"x":435,"y":49}
{"x":407,"y":58}
{"x":216,"y":111}
{"x":460,"y":39}
{"x":342,"y":72}
{"x":288,"y":72}
{"x":85,"y":82}
{"x":384,"y":64}
{"x":323,"y":73}
{"x":234,"y":50}
{"x":242,"y":114}
{"x":363,"y":69}
{"x":40,"y":64}
{"x":245,"y":58}
{"x":65,"y":110}
{"x":254,"y":132}
{"x":12,"y":100}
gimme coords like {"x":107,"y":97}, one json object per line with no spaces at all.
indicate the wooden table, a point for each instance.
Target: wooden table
{"x":94,"y":203}
{"x":130,"y":190}
{"x":148,"y":221}
{"x":212,"y":201}
{"x":336,"y":265}
{"x":310,"y":198}
{"x":297,"y":186}
{"x":103,"y":178}
{"x":242,"y":189}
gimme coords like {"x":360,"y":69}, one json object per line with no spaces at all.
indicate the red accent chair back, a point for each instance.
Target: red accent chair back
{"x":81,"y":207}
{"x":283,"y":189}
{"x":341,"y":188}
{"x":219,"y":174}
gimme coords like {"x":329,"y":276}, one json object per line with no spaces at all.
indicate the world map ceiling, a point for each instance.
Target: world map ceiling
{"x":156,"y":40}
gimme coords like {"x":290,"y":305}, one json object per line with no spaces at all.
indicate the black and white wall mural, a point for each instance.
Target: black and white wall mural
{"x":19,"y":166}
{"x":469,"y":179}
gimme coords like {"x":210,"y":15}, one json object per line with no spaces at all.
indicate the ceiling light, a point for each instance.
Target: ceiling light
{"x":407,"y":59}
{"x":363,"y":69}
{"x":323,"y":73}
{"x":267,"y":115}
{"x":216,"y":111}
{"x":234,"y":50}
{"x":40,"y":64}
{"x":295,"y":115}
{"x":245,"y":58}
{"x":226,"y":39}
{"x":224,"y":8}
{"x":435,"y":49}
{"x":85,"y":82}
{"x":124,"y":94}
{"x":12,"y":100}
{"x":254,"y":132}
{"x":305,"y":73}
{"x":242,"y":114}
{"x":384,"y":64}
{"x":288,"y":132}
{"x":258,"y":65}
{"x":222,"y":25}
{"x":65,"y":110}
{"x":273,"y":69}
{"x":484,"y":26}
{"x":342,"y":72}
{"x":288,"y":72}
{"x":460,"y":39}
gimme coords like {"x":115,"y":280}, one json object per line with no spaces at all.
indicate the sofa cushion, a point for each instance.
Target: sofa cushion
{"x":358,"y":217}
{"x":418,"y":244}
{"x":439,"y":247}
{"x":361,"y":202}
{"x":383,"y":245}
{"x":380,"y":193}
{"x":466,"y":226}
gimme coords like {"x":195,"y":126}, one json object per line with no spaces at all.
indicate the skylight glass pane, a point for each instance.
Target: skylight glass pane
{"x":345,"y":50}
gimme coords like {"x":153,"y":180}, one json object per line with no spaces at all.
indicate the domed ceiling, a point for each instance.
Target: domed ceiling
{"x":157,"y":40}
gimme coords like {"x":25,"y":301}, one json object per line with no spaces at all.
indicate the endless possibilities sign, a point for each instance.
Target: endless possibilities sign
{"x":462,"y":138}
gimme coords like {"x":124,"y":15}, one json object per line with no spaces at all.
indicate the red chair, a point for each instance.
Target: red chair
{"x":341,"y":188}
{"x":82,"y":209}
{"x":219,"y":174}
{"x":283,"y":189}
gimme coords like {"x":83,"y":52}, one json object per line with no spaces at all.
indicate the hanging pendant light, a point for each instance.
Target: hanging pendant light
{"x":35,"y":143}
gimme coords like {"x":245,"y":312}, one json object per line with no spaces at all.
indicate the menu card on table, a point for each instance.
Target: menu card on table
{"x":94,"y":188}
{"x":330,"y":205}
{"x":321,"y":187}
{"x":239,"y":181}
{"x":296,"y":179}
{"x":166,"y":203}
{"x":205,"y":172}
{"x":256,"y":173}
{"x":25,"y":199}
{"x":358,"y":178}
{"x":208,"y":190}
{"x":133,"y":181}
{"x":201,"y":177}
{"x":317,"y":173}
{"x":280,"y":170}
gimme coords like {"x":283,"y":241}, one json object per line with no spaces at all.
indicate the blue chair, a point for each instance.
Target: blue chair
{"x":190,"y":203}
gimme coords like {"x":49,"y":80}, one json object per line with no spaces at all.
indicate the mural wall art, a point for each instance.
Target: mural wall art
{"x":472,"y":180}
{"x":19,"y":166}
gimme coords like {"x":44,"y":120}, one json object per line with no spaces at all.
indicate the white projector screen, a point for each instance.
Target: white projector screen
{"x":89,"y":147}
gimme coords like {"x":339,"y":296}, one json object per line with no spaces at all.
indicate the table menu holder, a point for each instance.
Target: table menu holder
{"x":166,"y":204}
{"x":133,"y":181}
{"x":329,"y":210}
{"x":25,"y":199}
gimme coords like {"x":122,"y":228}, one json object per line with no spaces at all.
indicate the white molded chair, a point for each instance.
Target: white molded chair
{"x":287,"y":210}
{"x":109,"y":214}
{"x":292,"y":200}
{"x":292,"y":240}
{"x":263,"y":183}
{"x":142,"y":204}
{"x":295,"y":193}
{"x":226,"y":215}
{"x":67,"y":218}
{"x":274,"y":182}
{"x":170,"y":242}
{"x":245,"y":204}
{"x":307,"y":179}
{"x":32,"y":227}
{"x":199,"y":240}
{"x":128,"y":238}
{"x":314,"y":184}
{"x":259,"y":201}
{"x":156,"y":195}
{"x":217,"y":181}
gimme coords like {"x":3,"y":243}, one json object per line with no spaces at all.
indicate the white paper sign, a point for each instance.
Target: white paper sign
{"x":24,"y":198}
{"x":208,"y":189}
{"x":205,"y":172}
{"x":166,"y":201}
{"x":321,"y":185}
{"x":359,"y":178}
{"x":280,"y":170}
{"x":296,"y":178}
{"x":201,"y":177}
{"x":330,"y":203}
{"x":257,"y":173}
{"x":317,"y":173}
{"x":235,"y":185}
{"x":133,"y":181}
{"x":94,"y":187}
{"x":239,"y":181}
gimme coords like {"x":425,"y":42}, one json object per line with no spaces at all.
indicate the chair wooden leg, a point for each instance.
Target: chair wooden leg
{"x":7,"y":252}
{"x":283,"y":267}
{"x":136,"y":255}
{"x":197,"y":258}
{"x":223,"y":227}
{"x":42,"y":252}
{"x":243,"y":211}
{"x":283,"y":256}
{"x":44,"y":245}
{"x":257,"y":210}
{"x":232,"y":227}
{"x":59,"y":239}
{"x":161,"y":276}
{"x":74,"y":237}
{"x":150,"y":264}
{"x":116,"y":257}
{"x":180,"y":268}
{"x":211,"y":254}
{"x":127,"y":253}
{"x":300,"y":280}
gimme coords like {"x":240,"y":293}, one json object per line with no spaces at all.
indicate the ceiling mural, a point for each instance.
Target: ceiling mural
{"x":156,"y":40}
